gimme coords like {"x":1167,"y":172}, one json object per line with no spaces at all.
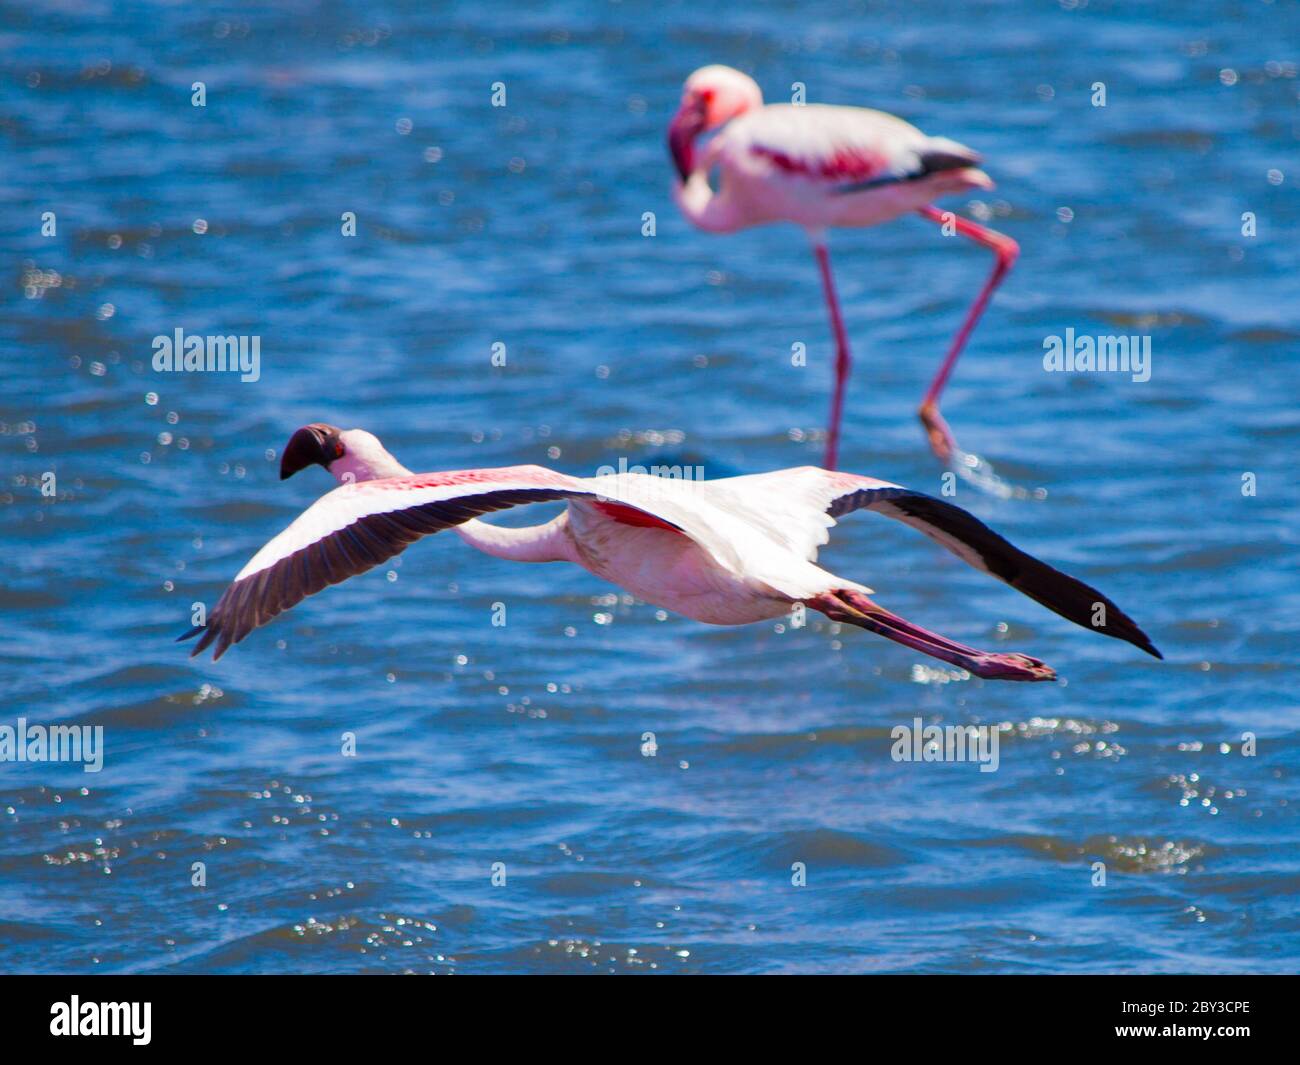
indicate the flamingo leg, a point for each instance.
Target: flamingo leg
{"x":1006,"y":251}
{"x":843,"y":358}
{"x":854,"y":608}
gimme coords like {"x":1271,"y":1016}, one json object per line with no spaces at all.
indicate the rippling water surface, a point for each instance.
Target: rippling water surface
{"x":521,"y":745}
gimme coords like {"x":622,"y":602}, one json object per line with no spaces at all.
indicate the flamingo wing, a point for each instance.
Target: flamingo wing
{"x":936,"y":155}
{"x":358,"y":526}
{"x":845,"y":149}
{"x":794,"y":494}
{"x":787,"y":506}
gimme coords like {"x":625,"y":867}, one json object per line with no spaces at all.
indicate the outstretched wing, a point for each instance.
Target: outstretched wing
{"x":974,"y":542}
{"x":790,"y":506}
{"x":358,"y":526}
{"x":794,"y":493}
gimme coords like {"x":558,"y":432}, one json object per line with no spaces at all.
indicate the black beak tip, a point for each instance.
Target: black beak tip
{"x":316,"y":444}
{"x":288,"y":468}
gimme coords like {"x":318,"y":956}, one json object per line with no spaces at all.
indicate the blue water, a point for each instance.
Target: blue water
{"x":521,"y":744}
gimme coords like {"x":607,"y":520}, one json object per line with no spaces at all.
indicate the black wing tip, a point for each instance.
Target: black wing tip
{"x":935,"y":160}
{"x":1064,"y":595}
{"x":207,"y":634}
{"x":1149,"y":648}
{"x":1128,"y":631}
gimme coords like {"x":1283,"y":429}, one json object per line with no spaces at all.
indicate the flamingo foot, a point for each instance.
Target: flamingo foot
{"x":1013,"y":666}
{"x":969,"y":466}
{"x":942,"y":442}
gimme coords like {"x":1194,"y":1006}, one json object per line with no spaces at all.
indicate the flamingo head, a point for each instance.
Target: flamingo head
{"x":348,"y":454}
{"x":712,"y":96}
{"x":315,"y":444}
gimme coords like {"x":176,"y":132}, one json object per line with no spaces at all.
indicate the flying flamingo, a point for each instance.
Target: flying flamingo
{"x":820,"y":166}
{"x":726,"y":552}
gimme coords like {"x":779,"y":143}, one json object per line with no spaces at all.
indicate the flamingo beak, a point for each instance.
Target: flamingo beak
{"x":316,"y":444}
{"x":687,"y":124}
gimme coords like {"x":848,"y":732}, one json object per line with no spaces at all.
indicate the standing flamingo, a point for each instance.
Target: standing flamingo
{"x":819,"y":166}
{"x":727,"y":552}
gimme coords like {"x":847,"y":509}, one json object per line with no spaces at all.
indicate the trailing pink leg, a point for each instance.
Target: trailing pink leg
{"x":1007,"y":250}
{"x":843,"y":359}
{"x":854,"y":608}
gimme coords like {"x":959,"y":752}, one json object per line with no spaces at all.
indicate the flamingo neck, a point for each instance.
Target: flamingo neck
{"x":703,"y":207}
{"x":535,"y":543}
{"x":366,"y":461}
